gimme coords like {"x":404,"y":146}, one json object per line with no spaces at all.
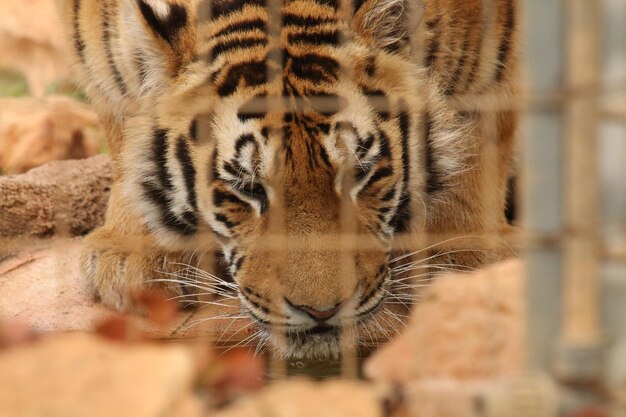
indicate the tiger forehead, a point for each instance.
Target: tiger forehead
{"x":237,"y":45}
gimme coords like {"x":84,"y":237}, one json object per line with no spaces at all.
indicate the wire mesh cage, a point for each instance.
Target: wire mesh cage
{"x":566,"y":199}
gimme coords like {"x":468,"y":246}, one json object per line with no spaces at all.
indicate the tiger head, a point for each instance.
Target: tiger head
{"x":300,"y":153}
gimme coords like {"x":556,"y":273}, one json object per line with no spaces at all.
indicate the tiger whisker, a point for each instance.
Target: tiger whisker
{"x":439,"y":254}
{"x":234,"y":334}
{"x":220,"y":317}
{"x":192,"y":284}
{"x":404,"y":256}
{"x":243,"y":342}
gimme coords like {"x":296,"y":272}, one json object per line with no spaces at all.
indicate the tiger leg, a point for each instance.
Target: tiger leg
{"x":472,"y":213}
{"x":122,"y":258}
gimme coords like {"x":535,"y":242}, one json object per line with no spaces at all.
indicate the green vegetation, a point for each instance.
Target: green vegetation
{"x":12,"y":84}
{"x":66,"y":88}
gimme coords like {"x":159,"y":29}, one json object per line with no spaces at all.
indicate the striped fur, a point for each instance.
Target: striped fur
{"x":213,"y":123}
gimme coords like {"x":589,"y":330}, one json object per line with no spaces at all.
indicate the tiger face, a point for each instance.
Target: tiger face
{"x":283,"y":165}
{"x":291,"y":177}
{"x":301,"y":154}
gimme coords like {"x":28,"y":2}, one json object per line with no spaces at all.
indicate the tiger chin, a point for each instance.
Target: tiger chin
{"x":370,"y":128}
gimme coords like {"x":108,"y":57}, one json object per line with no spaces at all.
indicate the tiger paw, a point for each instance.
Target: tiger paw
{"x":117,"y":274}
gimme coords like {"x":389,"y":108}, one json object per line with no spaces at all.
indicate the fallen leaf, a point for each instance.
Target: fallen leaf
{"x":161,"y":309}
{"x":13,"y":333}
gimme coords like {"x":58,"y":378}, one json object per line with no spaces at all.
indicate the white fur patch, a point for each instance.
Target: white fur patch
{"x":161,"y":8}
{"x":385,"y":21}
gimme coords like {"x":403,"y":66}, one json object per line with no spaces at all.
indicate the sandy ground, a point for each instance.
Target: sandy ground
{"x":44,"y":290}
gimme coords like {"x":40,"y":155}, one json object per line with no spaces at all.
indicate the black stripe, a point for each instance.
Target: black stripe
{"x":510,"y":208}
{"x":433,"y":47}
{"x":224,"y":220}
{"x":450,"y":89}
{"x":193,"y":129}
{"x":378,"y":175}
{"x":402,"y":217}
{"x":214,"y":171}
{"x":404,"y":132}
{"x":370,"y":66}
{"x":239,"y":263}
{"x":505,"y":44}
{"x":253,"y":73}
{"x":373,"y":290}
{"x":157,"y":191}
{"x":357,"y":4}
{"x":221,"y":197}
{"x":106,"y":40}
{"x":323,"y":37}
{"x":383,"y":143}
{"x":242,"y":141}
{"x":434,"y":183}
{"x":236,"y":44}
{"x":234,"y":168}
{"x":188,"y":171}
{"x":332,"y":3}
{"x":257,"y":191}
{"x":245,"y":26}
{"x":390,"y":194}
{"x":79,"y":44}
{"x":314,"y":68}
{"x":168,"y":219}
{"x":169,"y":28}
{"x":364,"y":146}
{"x":360,"y":172}
{"x":226,"y":7}
{"x":290,"y":19}
{"x":324,"y":127}
{"x":473,"y":71}
{"x":401,"y":220}
{"x":159,"y":154}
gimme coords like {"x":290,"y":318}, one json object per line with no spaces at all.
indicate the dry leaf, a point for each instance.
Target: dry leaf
{"x":14,"y":333}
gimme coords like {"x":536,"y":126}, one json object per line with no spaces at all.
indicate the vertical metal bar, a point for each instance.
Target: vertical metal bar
{"x":542,"y":176}
{"x":349,"y":226}
{"x":582,"y":188}
{"x":277,"y":226}
{"x":581,"y":327}
{"x":416,"y":250}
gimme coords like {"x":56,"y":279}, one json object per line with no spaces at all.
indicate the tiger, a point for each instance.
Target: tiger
{"x":264,"y":129}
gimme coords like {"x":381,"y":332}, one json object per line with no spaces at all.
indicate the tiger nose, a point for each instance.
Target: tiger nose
{"x":317,"y":315}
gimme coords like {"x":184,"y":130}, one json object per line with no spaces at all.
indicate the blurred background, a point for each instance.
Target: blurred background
{"x":42,"y":114}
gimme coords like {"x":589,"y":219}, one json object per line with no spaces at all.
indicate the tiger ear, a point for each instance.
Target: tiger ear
{"x":387,"y":24}
{"x":161,"y":37}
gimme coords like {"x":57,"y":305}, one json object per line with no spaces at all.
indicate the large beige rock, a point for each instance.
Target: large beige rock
{"x":62,"y":197}
{"x":300,"y":398}
{"x":36,"y":131}
{"x":44,"y":290}
{"x":32,"y":42}
{"x":80,"y":375}
{"x":467,"y":327}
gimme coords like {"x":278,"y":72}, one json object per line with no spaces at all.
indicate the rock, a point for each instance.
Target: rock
{"x":43,"y":289}
{"x":67,"y":198}
{"x":83,"y":375}
{"x":467,"y":327}
{"x":36,"y":131}
{"x":301,"y":398}
{"x":32,"y":42}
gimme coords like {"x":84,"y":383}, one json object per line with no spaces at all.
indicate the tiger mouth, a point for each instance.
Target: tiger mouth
{"x":321,"y":329}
